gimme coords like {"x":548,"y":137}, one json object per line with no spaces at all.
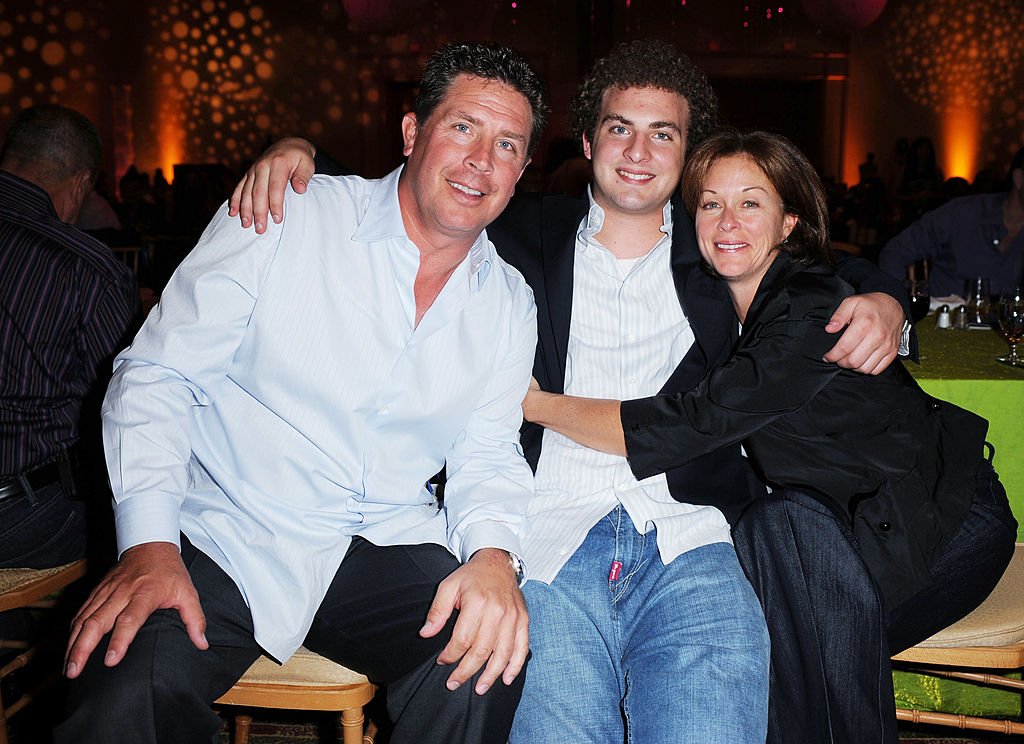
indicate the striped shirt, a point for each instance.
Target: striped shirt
{"x":65,"y":305}
{"x":626,"y":336}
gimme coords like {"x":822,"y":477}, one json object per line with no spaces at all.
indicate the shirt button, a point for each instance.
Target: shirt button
{"x":884,"y":526}
{"x":383,"y":411}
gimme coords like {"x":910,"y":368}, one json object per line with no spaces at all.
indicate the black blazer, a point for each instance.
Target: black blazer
{"x":537,"y":235}
{"x":897,"y":466}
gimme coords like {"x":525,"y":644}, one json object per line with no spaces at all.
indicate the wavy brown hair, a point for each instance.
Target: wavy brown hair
{"x":789,"y":172}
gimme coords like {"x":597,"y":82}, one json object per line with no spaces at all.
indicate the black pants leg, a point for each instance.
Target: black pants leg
{"x":370,"y":621}
{"x":162,"y":690}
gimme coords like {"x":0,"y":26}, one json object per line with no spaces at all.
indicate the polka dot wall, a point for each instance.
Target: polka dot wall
{"x":46,"y":53}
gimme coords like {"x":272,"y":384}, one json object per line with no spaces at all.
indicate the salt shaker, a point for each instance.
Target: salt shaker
{"x":942,"y":318}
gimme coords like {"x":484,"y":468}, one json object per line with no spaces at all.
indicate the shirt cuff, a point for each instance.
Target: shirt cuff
{"x":152,"y":519}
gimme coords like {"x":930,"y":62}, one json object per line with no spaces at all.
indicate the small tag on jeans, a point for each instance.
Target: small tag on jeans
{"x":613,"y":575}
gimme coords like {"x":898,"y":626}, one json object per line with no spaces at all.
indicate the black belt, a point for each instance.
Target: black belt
{"x":26,"y":484}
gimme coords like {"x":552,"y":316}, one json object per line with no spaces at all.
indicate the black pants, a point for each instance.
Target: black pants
{"x":831,"y":635}
{"x":369,"y":621}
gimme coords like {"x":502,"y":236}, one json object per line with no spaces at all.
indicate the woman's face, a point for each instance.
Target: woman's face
{"x":740,"y":221}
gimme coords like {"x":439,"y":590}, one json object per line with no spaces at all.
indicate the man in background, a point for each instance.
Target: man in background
{"x":66,"y":304}
{"x":981,"y":235}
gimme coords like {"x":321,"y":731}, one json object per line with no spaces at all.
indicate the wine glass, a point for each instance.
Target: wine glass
{"x":1011,"y":323}
{"x":920,"y":298}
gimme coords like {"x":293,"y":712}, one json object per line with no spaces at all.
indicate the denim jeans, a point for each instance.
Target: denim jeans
{"x":48,"y":532}
{"x":675,"y":654}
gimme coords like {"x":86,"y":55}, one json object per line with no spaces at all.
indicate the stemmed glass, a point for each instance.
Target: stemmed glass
{"x":917,"y":291}
{"x":1011,"y":323}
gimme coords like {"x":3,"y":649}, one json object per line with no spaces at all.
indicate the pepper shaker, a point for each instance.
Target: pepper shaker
{"x":960,"y":318}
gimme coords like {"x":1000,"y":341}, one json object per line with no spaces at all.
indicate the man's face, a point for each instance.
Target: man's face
{"x":464,"y":160}
{"x":638,"y":149}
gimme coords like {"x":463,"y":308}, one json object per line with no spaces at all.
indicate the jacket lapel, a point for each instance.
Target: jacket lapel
{"x":704,"y":300}
{"x":558,"y":251}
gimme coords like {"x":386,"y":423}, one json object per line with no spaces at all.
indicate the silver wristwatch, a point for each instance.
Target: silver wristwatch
{"x":518,"y":568}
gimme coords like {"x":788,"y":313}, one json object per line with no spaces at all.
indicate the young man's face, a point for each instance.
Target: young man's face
{"x":638,"y":149}
{"x":465,"y":159}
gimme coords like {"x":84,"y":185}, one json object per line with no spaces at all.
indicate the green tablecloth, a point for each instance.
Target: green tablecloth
{"x":960,"y":366}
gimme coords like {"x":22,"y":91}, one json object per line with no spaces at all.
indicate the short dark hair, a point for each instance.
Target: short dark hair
{"x":789,"y":172}
{"x":55,"y":141}
{"x":645,"y":63}
{"x":488,"y":61}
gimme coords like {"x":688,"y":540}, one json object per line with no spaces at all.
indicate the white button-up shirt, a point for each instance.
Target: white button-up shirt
{"x":281,"y":399}
{"x":627,"y":335}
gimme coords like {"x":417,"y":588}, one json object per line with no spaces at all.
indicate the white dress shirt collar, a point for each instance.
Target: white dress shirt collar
{"x":383,"y":220}
{"x":594,"y":222}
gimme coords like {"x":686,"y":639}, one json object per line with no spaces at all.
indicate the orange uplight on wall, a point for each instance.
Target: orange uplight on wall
{"x":961,"y":60}
{"x":958,"y":151}
{"x":171,"y":144}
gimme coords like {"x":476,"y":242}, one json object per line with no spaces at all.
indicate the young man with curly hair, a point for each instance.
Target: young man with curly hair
{"x":643,"y":626}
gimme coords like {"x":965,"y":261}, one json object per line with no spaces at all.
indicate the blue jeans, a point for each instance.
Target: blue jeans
{"x":49,"y":532}
{"x":675,"y":654}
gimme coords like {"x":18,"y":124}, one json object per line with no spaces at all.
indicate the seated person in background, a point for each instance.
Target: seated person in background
{"x":278,"y":417}
{"x":66,"y":304}
{"x":885,"y":523}
{"x":643,"y":626}
{"x":978,"y":235}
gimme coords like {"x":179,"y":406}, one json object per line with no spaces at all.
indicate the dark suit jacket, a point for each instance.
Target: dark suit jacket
{"x":897,"y":466}
{"x":537,"y":235}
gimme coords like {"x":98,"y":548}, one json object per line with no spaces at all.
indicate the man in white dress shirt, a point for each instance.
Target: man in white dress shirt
{"x":270,"y":431}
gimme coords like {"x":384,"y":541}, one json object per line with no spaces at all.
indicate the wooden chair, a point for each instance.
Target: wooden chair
{"x":22,"y":588}
{"x":307,"y":681}
{"x":980,"y":648}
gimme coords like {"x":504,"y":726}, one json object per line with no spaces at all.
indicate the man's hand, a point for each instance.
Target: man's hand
{"x":290,"y":159}
{"x":872,"y":339}
{"x":492,"y":624}
{"x":148,"y":577}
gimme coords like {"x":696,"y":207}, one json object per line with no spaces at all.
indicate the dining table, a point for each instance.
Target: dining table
{"x":960,"y":366}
